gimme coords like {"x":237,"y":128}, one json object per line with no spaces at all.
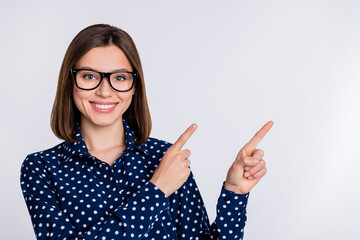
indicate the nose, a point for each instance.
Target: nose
{"x":104,"y":90}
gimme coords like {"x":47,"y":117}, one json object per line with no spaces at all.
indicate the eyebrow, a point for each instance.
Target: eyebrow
{"x":120,"y":69}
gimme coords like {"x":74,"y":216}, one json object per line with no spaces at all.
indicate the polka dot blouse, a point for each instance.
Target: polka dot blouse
{"x":71,"y":194}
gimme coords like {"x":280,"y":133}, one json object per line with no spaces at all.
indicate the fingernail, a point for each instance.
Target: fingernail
{"x":251,"y":177}
{"x":194,"y":125}
{"x":255,"y":160}
{"x":247,"y":174}
{"x":247,"y":168}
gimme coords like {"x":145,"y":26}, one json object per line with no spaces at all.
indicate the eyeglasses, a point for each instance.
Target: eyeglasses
{"x":89,"y":79}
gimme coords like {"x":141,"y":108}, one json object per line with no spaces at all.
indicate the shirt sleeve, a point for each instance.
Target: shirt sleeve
{"x":191,"y":219}
{"x":50,"y":222}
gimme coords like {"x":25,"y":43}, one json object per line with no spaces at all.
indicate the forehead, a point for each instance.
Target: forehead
{"x":106,"y":58}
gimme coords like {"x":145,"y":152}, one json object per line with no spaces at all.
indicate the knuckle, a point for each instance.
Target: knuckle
{"x":262,"y":172}
{"x":261,"y":152}
{"x":262,"y":163}
{"x":185,"y":153}
{"x":258,"y":153}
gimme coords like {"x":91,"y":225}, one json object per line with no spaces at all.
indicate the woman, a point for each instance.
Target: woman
{"x":109,"y":179}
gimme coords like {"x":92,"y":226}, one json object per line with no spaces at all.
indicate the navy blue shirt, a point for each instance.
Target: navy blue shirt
{"x":71,"y":194}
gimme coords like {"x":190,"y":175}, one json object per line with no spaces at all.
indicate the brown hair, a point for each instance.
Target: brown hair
{"x":65,"y":115}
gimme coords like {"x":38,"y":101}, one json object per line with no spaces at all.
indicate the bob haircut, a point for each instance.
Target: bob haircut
{"x":65,"y":115}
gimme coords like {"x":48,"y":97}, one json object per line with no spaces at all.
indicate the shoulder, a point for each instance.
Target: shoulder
{"x":155,"y":142}
{"x":155,"y":146}
{"x":45,"y":158}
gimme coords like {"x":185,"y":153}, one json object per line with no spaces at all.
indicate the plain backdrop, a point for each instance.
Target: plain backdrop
{"x":229,"y":66}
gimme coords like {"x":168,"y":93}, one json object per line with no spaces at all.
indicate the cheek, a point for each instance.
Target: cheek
{"x":79,"y":97}
{"x":126,"y":98}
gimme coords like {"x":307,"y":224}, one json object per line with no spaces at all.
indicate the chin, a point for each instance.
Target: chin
{"x":103,"y":121}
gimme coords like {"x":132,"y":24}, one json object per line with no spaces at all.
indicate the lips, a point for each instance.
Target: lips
{"x":103,"y":107}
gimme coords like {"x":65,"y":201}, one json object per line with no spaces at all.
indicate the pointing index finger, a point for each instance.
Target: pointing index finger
{"x":259,"y":135}
{"x":185,"y":136}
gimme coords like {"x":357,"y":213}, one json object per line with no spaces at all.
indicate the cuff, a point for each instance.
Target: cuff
{"x":230,"y":199}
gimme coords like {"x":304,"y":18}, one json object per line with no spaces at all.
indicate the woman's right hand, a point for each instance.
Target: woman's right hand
{"x":173,"y":169}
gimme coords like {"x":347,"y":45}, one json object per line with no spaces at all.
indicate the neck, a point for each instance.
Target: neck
{"x":99,"y":138}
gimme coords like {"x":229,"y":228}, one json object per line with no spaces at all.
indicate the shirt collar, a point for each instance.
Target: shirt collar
{"x":79,"y":147}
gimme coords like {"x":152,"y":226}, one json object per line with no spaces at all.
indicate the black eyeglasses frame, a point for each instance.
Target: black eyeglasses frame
{"x":104,"y":74}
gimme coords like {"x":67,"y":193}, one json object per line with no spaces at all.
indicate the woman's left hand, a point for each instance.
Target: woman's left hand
{"x":249,"y":165}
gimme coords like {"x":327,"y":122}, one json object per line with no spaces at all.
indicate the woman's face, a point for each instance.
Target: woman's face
{"x":95,"y":105}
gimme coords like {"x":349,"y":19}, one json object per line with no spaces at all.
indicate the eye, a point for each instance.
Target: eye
{"x":120,"y":78}
{"x":89,"y":77}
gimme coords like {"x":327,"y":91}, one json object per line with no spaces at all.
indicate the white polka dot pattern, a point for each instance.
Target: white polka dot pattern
{"x":71,"y":194}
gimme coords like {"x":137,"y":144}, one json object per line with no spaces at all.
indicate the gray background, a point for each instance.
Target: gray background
{"x":229,"y":66}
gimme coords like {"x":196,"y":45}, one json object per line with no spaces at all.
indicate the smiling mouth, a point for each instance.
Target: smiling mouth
{"x":103,"y":106}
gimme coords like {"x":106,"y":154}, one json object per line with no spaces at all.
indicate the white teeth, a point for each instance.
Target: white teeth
{"x":103,"y":106}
